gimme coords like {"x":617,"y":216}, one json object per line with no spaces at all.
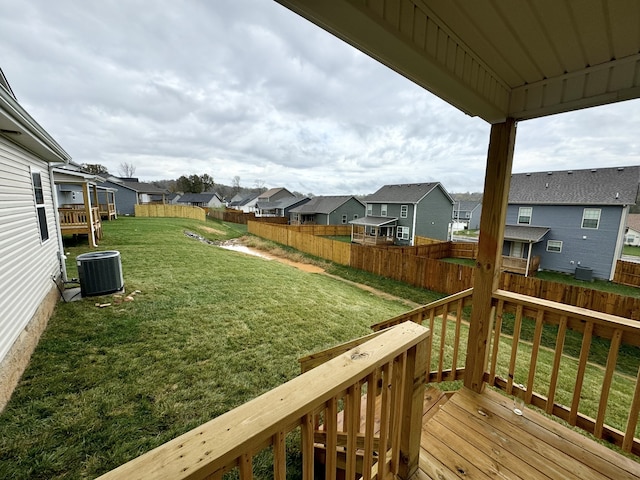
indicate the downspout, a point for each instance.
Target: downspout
{"x":413,"y":228}
{"x":56,"y":216}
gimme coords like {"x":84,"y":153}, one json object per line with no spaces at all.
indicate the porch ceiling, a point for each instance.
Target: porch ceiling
{"x":525,"y":233}
{"x":497,"y":58}
{"x":371,"y":221}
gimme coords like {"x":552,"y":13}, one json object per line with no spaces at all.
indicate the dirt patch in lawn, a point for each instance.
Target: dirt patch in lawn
{"x":238,"y":246}
{"x":213,"y":230}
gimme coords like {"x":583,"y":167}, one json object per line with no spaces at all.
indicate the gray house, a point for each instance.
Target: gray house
{"x":279,"y":208}
{"x":204,"y":200}
{"x":131,"y":192}
{"x":328,"y":210}
{"x":466,"y":213}
{"x":579,"y":217}
{"x":399,"y":213}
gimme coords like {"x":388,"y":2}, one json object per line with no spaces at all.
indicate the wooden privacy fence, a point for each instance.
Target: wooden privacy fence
{"x":627,"y":273}
{"x":337,"y":252}
{"x":166,"y":210}
{"x":238,"y":216}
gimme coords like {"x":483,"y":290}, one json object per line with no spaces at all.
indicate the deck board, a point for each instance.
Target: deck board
{"x":477,"y":436}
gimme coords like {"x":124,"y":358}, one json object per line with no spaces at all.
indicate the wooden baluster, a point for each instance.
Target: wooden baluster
{"x":612,"y":360}
{"x":353,"y":407}
{"x":496,"y":341}
{"x":582,"y":367}
{"x":372,"y":387}
{"x":443,"y":340}
{"x":397,"y":391}
{"x":456,"y":341}
{"x":514,"y":348}
{"x":432,"y":319}
{"x":537,"y":337}
{"x":307,"y":430}
{"x":385,"y":417}
{"x":331,"y":430}
{"x":279,"y":456}
{"x":627,"y":442}
{"x":245,"y":465}
{"x":557,"y":358}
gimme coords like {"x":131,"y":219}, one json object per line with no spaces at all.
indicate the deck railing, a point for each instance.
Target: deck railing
{"x":107,"y":210}
{"x":366,"y":239}
{"x":522,"y":266}
{"x":305,"y":410}
{"x":550,"y":365}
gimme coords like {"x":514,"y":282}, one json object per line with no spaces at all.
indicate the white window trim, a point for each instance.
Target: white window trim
{"x":404,"y":211}
{"x":369,"y":209}
{"x":402,"y":233}
{"x":584,"y":213}
{"x":344,"y":218}
{"x":39,"y":206}
{"x":556,"y":242}
{"x":383,"y":209}
{"x":530,"y":209}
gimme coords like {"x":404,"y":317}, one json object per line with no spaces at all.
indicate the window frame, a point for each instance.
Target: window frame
{"x":551,"y":250}
{"x":369,"y":209}
{"x":41,"y":206}
{"x":404,"y":211}
{"x":529,"y":216}
{"x":584,"y":217}
{"x":402,"y":233}
{"x":344,"y":218}
{"x":384,"y":209}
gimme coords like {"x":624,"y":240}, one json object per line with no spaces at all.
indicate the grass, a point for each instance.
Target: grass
{"x":210,"y":330}
{"x":631,"y":250}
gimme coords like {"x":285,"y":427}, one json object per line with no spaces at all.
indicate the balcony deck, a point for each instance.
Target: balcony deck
{"x":478,"y":436}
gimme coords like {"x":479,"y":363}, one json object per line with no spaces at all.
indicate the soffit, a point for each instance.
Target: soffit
{"x":497,"y":58}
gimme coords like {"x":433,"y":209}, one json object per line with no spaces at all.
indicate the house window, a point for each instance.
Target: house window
{"x":38,"y":193}
{"x":383,"y":210}
{"x":344,"y":219}
{"x":554,"y":246}
{"x":591,"y":218}
{"x":524,"y":215}
{"x":355,"y":215}
{"x":404,"y":211}
{"x":369,"y":209}
{"x":403,"y":233}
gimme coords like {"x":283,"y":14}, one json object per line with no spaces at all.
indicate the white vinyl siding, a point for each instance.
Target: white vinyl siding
{"x":524,"y":215}
{"x":591,"y":218}
{"x":27,"y":263}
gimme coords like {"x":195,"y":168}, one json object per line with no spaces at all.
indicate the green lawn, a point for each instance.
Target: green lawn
{"x":210,"y":330}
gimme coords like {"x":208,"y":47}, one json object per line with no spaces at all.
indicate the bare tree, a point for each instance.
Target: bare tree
{"x":236,"y":184}
{"x":127,"y":170}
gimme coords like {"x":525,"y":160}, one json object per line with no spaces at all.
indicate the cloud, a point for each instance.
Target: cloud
{"x":250,"y":89}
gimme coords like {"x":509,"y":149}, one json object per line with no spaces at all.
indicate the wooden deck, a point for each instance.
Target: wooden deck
{"x":477,"y":436}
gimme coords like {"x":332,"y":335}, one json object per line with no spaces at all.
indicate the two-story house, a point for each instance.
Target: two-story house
{"x":466,"y":214}
{"x":579,"y":218}
{"x":399,"y":213}
{"x":328,"y":210}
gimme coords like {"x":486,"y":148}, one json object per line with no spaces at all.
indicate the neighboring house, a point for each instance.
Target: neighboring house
{"x":204,"y":200}
{"x":328,"y":210}
{"x":584,"y":211}
{"x":170,"y":198}
{"x":466,"y":214}
{"x":274,"y":194}
{"x":279,"y":208}
{"x":246,"y":203}
{"x":632,"y":234}
{"x":399,"y":213}
{"x":31,"y":250}
{"x":131,"y":192}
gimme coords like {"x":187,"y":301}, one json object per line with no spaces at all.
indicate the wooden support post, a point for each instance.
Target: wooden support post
{"x":87,"y":209}
{"x":487,"y":271}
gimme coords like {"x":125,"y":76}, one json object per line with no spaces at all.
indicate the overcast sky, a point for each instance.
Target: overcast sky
{"x":247,"y":88}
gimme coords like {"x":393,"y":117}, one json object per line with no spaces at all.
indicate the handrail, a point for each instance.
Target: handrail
{"x":395,"y":360}
{"x":513,"y":365}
